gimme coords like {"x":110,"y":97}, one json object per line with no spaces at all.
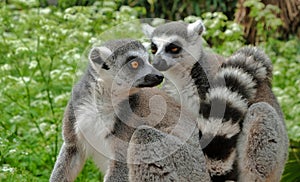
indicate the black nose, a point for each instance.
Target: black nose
{"x":150,"y":80}
{"x":154,"y":78}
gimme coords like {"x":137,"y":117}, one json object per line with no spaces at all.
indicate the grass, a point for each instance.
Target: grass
{"x":41,"y":54}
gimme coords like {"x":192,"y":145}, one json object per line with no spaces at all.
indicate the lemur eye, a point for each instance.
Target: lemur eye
{"x":153,"y":48}
{"x":105,"y":66}
{"x":134,"y":64}
{"x":173,"y":48}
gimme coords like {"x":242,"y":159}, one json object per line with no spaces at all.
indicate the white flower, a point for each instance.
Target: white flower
{"x":235,"y":27}
{"x":93,"y":40}
{"x":33,"y":64}
{"x":61,"y":97}
{"x":77,"y":56}
{"x":24,"y":153}
{"x":45,"y":11}
{"x":26,"y":79}
{"x":12,"y":151}
{"x":85,"y":34}
{"x":43,"y":126}
{"x":21,"y":49}
{"x":34,"y":131}
{"x":5,"y":67}
{"x":64,"y":31}
{"x":7,"y":168}
{"x":228,"y":32}
{"x":16,"y":119}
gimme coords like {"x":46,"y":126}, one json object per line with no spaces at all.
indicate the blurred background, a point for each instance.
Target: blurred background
{"x":42,"y":43}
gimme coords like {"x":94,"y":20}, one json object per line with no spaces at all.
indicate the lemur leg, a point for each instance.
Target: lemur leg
{"x":69,"y":163}
{"x":118,"y":170}
{"x":262,"y":145}
{"x":157,"y":156}
{"x":71,"y":158}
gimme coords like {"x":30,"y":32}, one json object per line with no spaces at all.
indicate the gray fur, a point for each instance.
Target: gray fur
{"x":256,"y":81}
{"x":172,"y":28}
{"x":262,"y":146}
{"x":180,"y":66}
{"x":172,"y":144}
{"x":106,"y":106}
{"x":89,"y":117}
{"x":147,"y":163}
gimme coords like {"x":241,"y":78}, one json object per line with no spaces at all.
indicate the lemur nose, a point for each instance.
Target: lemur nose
{"x":154,"y":77}
{"x":160,"y":64}
{"x":159,"y":77}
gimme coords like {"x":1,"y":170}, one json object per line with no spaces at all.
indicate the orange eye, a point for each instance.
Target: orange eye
{"x":174,"y":49}
{"x":134,"y":64}
{"x":153,"y":51}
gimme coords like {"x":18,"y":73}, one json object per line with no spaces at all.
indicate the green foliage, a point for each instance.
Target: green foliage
{"x":177,"y":10}
{"x":267,"y":23}
{"x":69,"y":3}
{"x":41,"y":52}
{"x":222,"y":35}
{"x":292,"y":167}
{"x":286,"y":80}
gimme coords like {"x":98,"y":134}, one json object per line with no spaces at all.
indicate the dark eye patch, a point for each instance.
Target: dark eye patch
{"x":130,"y":58}
{"x":153,"y":48}
{"x":105,"y":66}
{"x":173,"y":48}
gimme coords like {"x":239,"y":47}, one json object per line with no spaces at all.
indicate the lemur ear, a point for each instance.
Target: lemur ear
{"x":196,"y":28}
{"x":98,"y":56}
{"x":147,"y":29}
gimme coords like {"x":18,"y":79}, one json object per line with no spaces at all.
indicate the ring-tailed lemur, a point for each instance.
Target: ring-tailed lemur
{"x":109,"y":105}
{"x":253,"y":148}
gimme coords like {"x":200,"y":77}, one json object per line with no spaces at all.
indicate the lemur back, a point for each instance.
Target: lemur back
{"x":220,"y":93}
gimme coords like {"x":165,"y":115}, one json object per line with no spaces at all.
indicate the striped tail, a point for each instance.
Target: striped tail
{"x":223,"y":111}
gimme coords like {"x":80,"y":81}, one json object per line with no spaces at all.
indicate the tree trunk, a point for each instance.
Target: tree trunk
{"x":289,"y":14}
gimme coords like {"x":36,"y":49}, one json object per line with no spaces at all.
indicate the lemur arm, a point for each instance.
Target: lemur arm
{"x":69,"y":163}
{"x":71,"y":157}
{"x":157,"y":156}
{"x":262,"y":145}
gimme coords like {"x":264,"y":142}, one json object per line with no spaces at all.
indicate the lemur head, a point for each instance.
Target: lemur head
{"x":174,"y":42}
{"x":124,"y":61}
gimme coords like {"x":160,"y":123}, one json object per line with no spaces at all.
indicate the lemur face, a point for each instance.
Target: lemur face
{"x":126,"y":62}
{"x":167,"y":51}
{"x":174,"y":42}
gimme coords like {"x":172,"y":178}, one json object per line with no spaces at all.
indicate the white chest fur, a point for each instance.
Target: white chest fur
{"x":181,"y":87}
{"x":93,"y":123}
